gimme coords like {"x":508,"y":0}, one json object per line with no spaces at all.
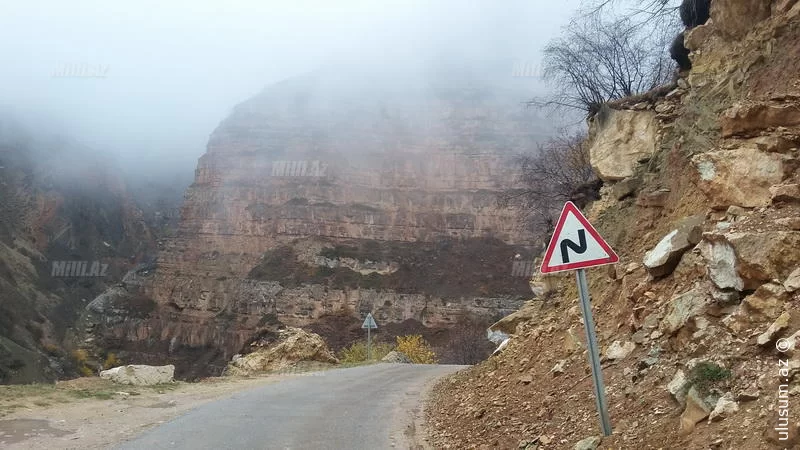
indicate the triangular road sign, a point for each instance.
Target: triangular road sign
{"x":575,"y":244}
{"x":369,"y":322}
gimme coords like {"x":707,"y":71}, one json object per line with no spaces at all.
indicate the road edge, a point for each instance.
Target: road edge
{"x":416,"y":433}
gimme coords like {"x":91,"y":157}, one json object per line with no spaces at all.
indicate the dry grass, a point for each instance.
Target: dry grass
{"x":14,"y":397}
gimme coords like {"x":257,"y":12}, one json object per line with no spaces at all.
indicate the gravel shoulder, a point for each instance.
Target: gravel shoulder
{"x":90,"y":413}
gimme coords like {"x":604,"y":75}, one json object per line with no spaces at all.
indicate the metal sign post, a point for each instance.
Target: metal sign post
{"x":594,"y":354}
{"x":369,"y":324}
{"x":576,"y":245}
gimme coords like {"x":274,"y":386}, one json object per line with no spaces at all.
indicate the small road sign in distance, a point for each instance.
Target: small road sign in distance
{"x":369,"y":322}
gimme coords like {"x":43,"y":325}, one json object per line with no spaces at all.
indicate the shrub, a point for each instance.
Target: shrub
{"x":80,"y":355}
{"x":111,"y":361}
{"x":357,"y":352}
{"x":707,"y":375}
{"x":81,"y":358}
{"x":416,"y":348}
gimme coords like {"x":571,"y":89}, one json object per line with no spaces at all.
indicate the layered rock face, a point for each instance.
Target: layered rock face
{"x":320,"y":161}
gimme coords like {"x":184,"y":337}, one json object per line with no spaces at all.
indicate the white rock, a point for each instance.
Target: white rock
{"x":559,"y":367}
{"x":396,"y":357}
{"x":725,"y":408}
{"x":140,"y":375}
{"x":502,"y":346}
{"x":679,"y":386}
{"x":792,"y":282}
{"x":618,"y":350}
{"x":682,"y":308}
{"x":721,"y":260}
{"x":589,"y":443}
{"x":780,"y":324}
{"x":664,"y":257}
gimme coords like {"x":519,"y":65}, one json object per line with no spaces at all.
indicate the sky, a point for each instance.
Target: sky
{"x":158,"y":76}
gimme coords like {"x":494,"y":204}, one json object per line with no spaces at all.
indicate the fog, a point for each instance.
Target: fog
{"x":157,"y":77}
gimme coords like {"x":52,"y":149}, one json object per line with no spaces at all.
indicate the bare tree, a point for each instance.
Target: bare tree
{"x":597,"y":60}
{"x":558,"y":172}
{"x":640,"y":11}
{"x":468,"y":343}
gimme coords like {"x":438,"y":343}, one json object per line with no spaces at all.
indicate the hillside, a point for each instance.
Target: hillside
{"x":687,"y":321}
{"x":59,"y":203}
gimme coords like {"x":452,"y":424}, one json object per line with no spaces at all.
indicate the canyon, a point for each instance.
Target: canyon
{"x":325,"y":196}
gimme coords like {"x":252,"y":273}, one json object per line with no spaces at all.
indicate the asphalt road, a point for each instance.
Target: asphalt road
{"x":370,"y":407}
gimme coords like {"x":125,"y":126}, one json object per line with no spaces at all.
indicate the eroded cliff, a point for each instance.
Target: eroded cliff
{"x":326,"y":194}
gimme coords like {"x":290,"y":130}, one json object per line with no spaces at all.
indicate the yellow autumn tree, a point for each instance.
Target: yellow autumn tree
{"x":416,"y":348}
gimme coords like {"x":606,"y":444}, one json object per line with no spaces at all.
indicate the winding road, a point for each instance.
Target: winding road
{"x":369,"y":407}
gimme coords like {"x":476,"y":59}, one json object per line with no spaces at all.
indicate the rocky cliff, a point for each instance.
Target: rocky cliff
{"x":68,"y":231}
{"x":332,"y":193}
{"x":702,"y":202}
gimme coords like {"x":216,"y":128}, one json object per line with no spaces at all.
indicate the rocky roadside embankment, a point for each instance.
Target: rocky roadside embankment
{"x":702,"y":202}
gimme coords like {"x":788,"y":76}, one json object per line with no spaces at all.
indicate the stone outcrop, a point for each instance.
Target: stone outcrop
{"x":140,"y":375}
{"x":765,"y":256}
{"x":621,"y":139}
{"x":740,"y":177}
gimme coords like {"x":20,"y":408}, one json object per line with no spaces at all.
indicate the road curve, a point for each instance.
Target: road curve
{"x":367,"y":407}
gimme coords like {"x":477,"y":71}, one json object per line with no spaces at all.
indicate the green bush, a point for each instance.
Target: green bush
{"x":357,"y":352}
{"x":707,"y":375}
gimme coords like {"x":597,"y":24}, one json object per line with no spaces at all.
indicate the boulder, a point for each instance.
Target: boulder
{"x":653,"y":199}
{"x":739,"y":176}
{"x":773,"y":143}
{"x":726,"y":406}
{"x":695,"y":411}
{"x":721,"y":262}
{"x":625,"y":188}
{"x":736,"y":18}
{"x":694,"y":38}
{"x":509,"y":323}
{"x":774,"y":330}
{"x":767,"y":301}
{"x":682,"y":308}
{"x":663,"y":258}
{"x":679,"y":386}
{"x":749,"y":119}
{"x":290,"y":346}
{"x":589,"y":443}
{"x":140,"y":375}
{"x":785,"y":193}
{"x":396,"y":357}
{"x":765,"y":256}
{"x":792,"y":282}
{"x":620,"y":139}
{"x":618,"y":350}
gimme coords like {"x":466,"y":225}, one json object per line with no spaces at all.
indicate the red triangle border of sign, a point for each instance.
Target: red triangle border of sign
{"x":570,"y":207}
